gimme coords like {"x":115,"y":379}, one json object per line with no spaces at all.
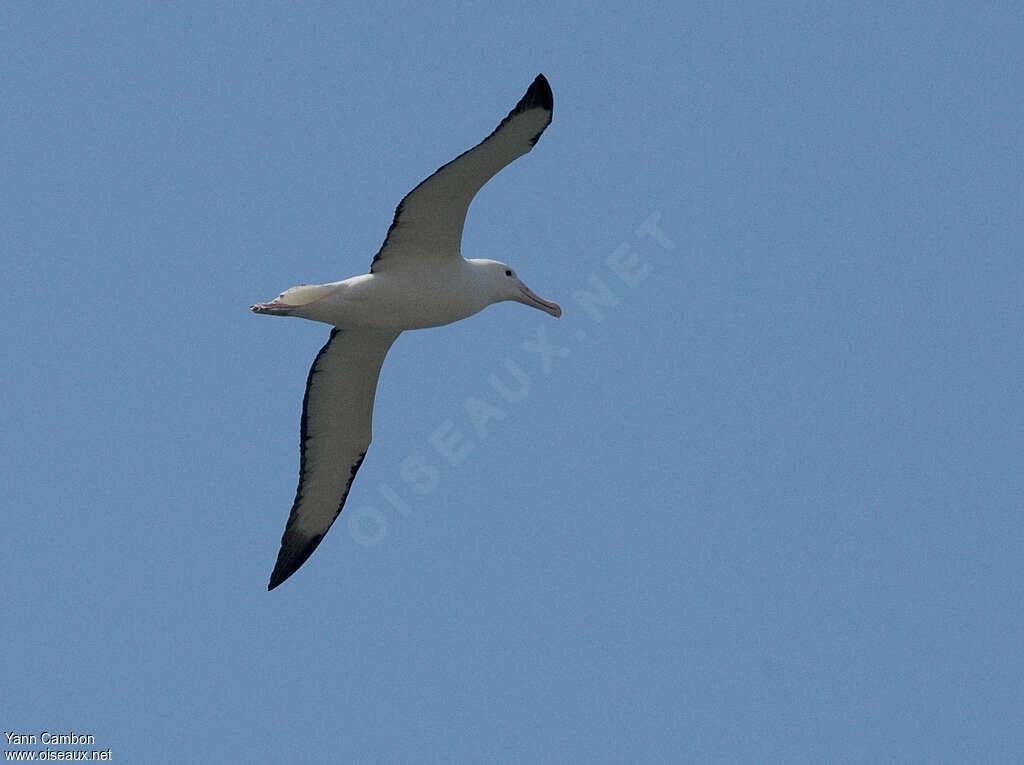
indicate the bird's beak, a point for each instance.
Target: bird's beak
{"x":528,"y":297}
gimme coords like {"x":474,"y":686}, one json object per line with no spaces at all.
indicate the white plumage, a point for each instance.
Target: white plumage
{"x":417,"y":279}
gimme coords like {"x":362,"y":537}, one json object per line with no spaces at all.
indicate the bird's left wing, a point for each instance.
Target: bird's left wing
{"x":337,"y":415}
{"x":429,"y":220}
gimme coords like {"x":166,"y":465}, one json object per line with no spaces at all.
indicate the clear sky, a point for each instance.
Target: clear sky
{"x":756,"y":497}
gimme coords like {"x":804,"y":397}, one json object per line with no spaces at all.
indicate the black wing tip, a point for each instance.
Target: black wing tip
{"x":538,"y":96}
{"x":296,"y":549}
{"x":293,"y":554}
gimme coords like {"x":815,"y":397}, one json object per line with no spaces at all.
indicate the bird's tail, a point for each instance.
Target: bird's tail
{"x":295,"y":297}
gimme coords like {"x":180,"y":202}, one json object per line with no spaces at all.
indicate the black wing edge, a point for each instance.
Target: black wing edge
{"x":537,"y":96}
{"x":295,"y":546}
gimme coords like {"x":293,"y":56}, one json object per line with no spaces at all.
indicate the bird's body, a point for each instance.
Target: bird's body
{"x":418,"y":279}
{"x":447,"y":290}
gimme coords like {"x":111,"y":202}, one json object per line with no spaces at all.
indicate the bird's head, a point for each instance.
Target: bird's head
{"x":501,"y":283}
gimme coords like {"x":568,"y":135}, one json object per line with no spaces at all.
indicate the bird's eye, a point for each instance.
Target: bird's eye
{"x":507,"y":272}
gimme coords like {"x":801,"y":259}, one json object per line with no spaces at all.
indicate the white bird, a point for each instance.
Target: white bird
{"x":418,"y":279}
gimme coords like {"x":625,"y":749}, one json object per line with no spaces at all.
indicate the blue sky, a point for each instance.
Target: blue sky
{"x":762,"y":504}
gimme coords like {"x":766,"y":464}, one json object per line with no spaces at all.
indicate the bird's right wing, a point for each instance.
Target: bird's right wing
{"x":337,"y":416}
{"x":428,"y":222}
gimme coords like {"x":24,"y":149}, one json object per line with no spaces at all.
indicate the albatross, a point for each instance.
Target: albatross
{"x":417,"y":279}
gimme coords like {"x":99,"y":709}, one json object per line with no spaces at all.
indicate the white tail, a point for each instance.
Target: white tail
{"x":296,"y":297}
{"x":304,"y":294}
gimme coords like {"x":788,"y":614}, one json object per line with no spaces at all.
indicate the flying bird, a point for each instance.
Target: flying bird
{"x":417,"y":279}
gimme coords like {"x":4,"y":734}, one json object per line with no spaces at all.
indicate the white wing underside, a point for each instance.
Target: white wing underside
{"x":337,"y":419}
{"x":429,"y":220}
